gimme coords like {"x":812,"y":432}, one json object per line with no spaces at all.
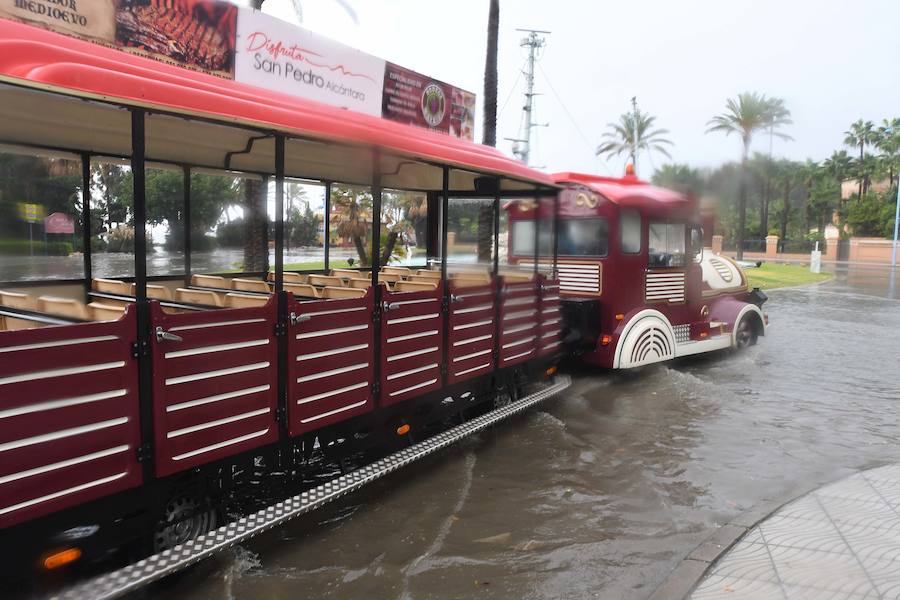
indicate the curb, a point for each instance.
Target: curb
{"x":690,"y":571}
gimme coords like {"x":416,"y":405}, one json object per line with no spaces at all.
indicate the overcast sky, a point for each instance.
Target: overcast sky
{"x":832,"y":61}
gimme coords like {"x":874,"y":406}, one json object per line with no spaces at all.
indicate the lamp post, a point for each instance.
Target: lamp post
{"x":896,"y":214}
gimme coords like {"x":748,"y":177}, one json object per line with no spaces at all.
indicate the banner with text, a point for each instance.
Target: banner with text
{"x":278,"y":56}
{"x":218,"y":38}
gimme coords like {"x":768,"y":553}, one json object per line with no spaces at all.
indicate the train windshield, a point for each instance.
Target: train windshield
{"x":667,"y":244}
{"x":583,"y":237}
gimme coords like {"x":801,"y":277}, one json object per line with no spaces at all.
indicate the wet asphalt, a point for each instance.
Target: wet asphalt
{"x":601,"y":492}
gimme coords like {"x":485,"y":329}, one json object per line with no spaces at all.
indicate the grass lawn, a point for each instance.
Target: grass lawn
{"x":774,"y":275}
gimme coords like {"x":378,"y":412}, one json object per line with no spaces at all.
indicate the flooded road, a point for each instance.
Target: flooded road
{"x":603,"y":491}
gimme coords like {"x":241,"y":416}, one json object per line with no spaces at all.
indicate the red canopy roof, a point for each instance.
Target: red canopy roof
{"x":46,"y":59}
{"x":629,"y":191}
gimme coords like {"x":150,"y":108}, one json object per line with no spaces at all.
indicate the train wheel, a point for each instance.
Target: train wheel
{"x":745,"y":334}
{"x":182,"y":520}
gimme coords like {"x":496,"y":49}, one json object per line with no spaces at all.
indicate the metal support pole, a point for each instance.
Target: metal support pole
{"x":142,"y":349}
{"x":896,"y":226}
{"x":495,"y":271}
{"x":445,"y":208}
{"x":86,"y":223}
{"x":264,"y":214}
{"x":186,"y":200}
{"x":537,"y":235}
{"x":138,"y":173}
{"x":377,"y":290}
{"x":327,"y":226}
{"x":556,"y":236}
{"x":279,"y":214}
{"x":281,"y":318}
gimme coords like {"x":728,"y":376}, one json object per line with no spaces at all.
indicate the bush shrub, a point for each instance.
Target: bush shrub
{"x":24,"y":248}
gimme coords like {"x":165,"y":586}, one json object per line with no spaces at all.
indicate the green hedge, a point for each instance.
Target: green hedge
{"x":24,"y":248}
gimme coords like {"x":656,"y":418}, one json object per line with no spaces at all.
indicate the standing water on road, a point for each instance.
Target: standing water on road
{"x":607,"y":488}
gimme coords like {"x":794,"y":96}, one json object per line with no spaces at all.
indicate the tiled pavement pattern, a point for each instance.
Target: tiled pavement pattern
{"x":841,"y":541}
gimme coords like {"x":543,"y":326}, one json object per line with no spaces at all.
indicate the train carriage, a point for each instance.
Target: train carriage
{"x":133,"y":407}
{"x":637,"y":285}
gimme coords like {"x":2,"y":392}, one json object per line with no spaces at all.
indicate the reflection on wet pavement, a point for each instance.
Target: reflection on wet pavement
{"x":602,"y":492}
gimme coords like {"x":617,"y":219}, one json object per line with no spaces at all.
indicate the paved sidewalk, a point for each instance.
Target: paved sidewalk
{"x":840,"y":541}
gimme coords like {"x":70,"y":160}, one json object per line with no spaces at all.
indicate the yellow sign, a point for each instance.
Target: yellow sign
{"x":31,"y":213}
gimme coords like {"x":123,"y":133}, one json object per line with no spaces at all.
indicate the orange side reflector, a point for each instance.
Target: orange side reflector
{"x":703,"y":334}
{"x":605,"y":340}
{"x":620,"y":317}
{"x":403,"y":429}
{"x":551,"y":371}
{"x":61,"y":558}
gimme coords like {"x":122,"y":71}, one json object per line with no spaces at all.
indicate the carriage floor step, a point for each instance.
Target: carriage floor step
{"x":153,"y":568}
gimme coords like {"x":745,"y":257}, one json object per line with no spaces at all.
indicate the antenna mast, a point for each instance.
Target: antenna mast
{"x":534,"y":42}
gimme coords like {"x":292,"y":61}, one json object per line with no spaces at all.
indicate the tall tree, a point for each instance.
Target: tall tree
{"x":888,"y":142}
{"x":489,"y":129}
{"x":861,"y":134}
{"x":744,"y":116}
{"x":681,"y":178}
{"x":633,"y":133}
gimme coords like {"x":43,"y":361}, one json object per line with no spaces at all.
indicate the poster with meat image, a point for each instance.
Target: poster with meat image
{"x":91,"y":20}
{"x":197,"y":34}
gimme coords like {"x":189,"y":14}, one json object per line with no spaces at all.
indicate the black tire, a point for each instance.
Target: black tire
{"x":745,"y":334}
{"x":183,"y":519}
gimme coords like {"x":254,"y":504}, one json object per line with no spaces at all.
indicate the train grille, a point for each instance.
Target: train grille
{"x":665,"y":286}
{"x":579,"y":278}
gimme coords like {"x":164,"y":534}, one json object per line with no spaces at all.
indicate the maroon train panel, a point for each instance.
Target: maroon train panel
{"x":550,"y":331}
{"x":518,"y":322}
{"x":215,"y":391}
{"x":69,"y":427}
{"x":330,"y":361}
{"x":412,"y":328}
{"x":471,"y":341}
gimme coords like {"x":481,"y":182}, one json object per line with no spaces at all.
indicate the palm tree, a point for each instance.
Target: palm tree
{"x":681,"y":178}
{"x":888,"y":142}
{"x":633,"y":133}
{"x":861,"y":134}
{"x":744,"y":116}
{"x":489,"y":130}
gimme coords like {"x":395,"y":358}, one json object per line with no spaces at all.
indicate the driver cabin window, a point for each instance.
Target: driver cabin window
{"x":583,"y":237}
{"x":630,"y":224}
{"x":667,"y":244}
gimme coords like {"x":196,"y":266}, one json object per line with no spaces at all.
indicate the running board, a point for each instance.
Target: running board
{"x":154,"y":568}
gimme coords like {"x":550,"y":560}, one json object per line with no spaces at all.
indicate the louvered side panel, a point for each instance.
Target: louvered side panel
{"x":214,"y":392}
{"x":472,"y":329}
{"x":519,"y":322}
{"x":665,"y":286}
{"x":550,"y":331}
{"x":69,"y":417}
{"x":412,"y":337}
{"x":330,"y":362}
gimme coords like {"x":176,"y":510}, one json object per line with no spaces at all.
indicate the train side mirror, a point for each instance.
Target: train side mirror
{"x":697,"y":243}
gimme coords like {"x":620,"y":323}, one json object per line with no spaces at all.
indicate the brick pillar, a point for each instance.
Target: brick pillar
{"x":832,"y":238}
{"x":771,"y":246}
{"x":717,"y":244}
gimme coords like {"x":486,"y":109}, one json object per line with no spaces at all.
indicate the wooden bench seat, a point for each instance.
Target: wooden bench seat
{"x":205,"y":297}
{"x":326,"y":280}
{"x":342,"y":292}
{"x":414,"y":286}
{"x":250,"y":285}
{"x":235,"y":300}
{"x":302,"y":289}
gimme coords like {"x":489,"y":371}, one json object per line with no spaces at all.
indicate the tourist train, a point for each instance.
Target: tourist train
{"x":140,"y":411}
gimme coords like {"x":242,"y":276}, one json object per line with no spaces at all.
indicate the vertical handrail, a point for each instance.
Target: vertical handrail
{"x":186,"y":200}
{"x":495,"y":276}
{"x":537,"y":233}
{"x":86,"y":224}
{"x":556,"y":203}
{"x":281,"y":313}
{"x":445,"y":305}
{"x":142,"y":346}
{"x":376,"y":267}
{"x":327,"y":234}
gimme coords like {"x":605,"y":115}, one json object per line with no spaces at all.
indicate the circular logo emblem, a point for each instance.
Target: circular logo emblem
{"x":434,"y":104}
